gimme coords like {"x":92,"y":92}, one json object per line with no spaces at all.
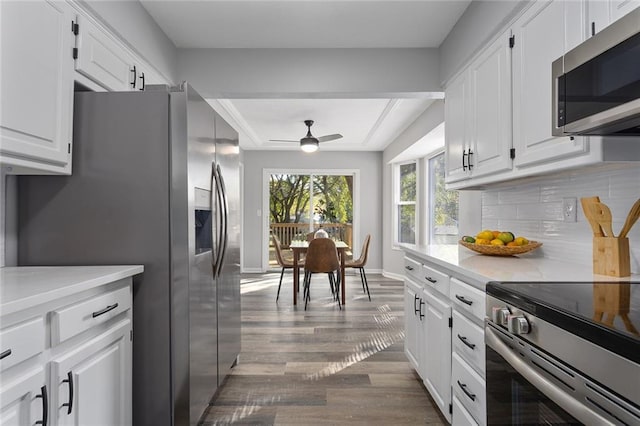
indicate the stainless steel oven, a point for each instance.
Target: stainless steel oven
{"x":546,"y":362}
{"x":596,"y":86}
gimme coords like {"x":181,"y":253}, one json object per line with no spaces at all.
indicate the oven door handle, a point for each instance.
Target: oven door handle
{"x":553,"y":392}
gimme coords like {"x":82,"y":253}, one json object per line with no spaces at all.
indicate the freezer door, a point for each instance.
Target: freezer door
{"x":227,"y":159}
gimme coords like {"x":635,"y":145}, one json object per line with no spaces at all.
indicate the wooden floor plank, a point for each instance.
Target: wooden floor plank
{"x":325,"y":365}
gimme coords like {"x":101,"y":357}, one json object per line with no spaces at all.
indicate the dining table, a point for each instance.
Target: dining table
{"x":298,"y":247}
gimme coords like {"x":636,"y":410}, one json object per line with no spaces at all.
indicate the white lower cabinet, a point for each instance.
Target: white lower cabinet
{"x":461,"y":416}
{"x":83,"y":379}
{"x":413,"y":314}
{"x":444,"y":340}
{"x":469,"y":387}
{"x":24,"y":399}
{"x":437,"y":350}
{"x":93,"y":380}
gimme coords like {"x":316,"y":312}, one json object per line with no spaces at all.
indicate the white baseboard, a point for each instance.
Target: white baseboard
{"x":393,"y":276}
{"x":252,"y":271}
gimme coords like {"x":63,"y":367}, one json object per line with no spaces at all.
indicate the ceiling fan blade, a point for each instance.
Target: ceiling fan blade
{"x":282,"y":140}
{"x":329,"y":137}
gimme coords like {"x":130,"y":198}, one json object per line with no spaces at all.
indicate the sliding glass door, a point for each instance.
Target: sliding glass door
{"x":302,"y":203}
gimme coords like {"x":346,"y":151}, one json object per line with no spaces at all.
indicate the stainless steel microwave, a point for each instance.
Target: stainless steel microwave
{"x":596,"y":86}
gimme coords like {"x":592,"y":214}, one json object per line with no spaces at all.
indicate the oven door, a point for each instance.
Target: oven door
{"x":526,"y":386}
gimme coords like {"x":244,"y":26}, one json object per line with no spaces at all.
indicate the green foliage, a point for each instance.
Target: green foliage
{"x":290,"y":196}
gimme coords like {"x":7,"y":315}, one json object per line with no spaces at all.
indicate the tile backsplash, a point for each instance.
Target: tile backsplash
{"x":534,"y":209}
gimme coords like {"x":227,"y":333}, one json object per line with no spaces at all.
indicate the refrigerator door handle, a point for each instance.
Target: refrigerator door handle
{"x":225,"y":215}
{"x":214,"y":249}
{"x":220,"y":218}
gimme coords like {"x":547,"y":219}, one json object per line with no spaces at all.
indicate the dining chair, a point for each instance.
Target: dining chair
{"x":283,"y":262}
{"x":360,"y":263}
{"x":322,"y":257}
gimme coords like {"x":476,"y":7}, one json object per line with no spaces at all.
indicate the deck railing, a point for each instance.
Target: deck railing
{"x":287,"y":232}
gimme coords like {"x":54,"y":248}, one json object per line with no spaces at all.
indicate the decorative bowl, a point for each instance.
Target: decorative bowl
{"x":500,"y":250}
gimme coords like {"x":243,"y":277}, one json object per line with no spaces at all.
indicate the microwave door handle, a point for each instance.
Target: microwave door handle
{"x":225,"y":217}
{"x":553,"y":392}
{"x":214,"y":228}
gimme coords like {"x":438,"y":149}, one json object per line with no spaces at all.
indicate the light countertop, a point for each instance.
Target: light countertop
{"x":480,"y":269}
{"x":25,"y":286}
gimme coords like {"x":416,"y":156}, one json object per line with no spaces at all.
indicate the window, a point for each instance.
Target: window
{"x":405,"y":204}
{"x":443,"y":205}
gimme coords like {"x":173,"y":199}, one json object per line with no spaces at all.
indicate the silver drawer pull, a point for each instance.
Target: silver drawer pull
{"x":5,"y":354}
{"x":472,"y":396}
{"x":431,"y":280}
{"x":105,"y":310}
{"x":463,"y":300}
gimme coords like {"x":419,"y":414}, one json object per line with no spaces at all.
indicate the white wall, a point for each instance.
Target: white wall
{"x":237,"y":73}
{"x":137,"y":28}
{"x":534,"y":210}
{"x":369,"y":165}
{"x":479,"y":23}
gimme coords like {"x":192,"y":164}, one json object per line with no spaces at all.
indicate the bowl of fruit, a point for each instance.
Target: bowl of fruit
{"x":498,"y":243}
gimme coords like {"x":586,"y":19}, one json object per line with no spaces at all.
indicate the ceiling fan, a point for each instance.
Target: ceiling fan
{"x":310,"y":143}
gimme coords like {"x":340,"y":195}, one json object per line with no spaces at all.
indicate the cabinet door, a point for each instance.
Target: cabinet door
{"x":619,"y":8}
{"x":24,"y":400}
{"x":544,"y":33}
{"x":36,"y":86}
{"x":95,"y":378}
{"x":437,"y":355}
{"x":457,"y":121}
{"x":103,"y":59}
{"x":491,"y":105}
{"x":412,"y":301}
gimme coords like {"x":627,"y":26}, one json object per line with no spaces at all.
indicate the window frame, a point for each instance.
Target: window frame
{"x":397,"y":203}
{"x":429,"y":207}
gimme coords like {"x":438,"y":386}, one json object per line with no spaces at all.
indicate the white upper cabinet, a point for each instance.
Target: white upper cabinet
{"x":478,"y":115}
{"x":490,"y":76}
{"x":543,"y":34}
{"x":457,"y":128}
{"x":36,"y":86}
{"x":102,"y":59}
{"x":601,"y":13}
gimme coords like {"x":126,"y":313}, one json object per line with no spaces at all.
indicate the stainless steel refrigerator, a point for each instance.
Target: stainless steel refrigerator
{"x":155,"y":182}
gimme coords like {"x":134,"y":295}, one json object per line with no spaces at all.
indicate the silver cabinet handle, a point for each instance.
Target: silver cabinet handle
{"x":553,"y":392}
{"x":463,"y":300}
{"x":463,"y":386}
{"x":463,"y":339}
{"x":431,"y":280}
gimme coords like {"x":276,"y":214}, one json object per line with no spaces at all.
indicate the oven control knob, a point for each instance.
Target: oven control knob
{"x":518,"y":324}
{"x":499,"y":315}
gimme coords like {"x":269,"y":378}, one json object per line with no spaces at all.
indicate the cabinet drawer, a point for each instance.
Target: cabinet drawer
{"x":21,"y":341}
{"x":436,"y":279}
{"x":413,"y":268}
{"x":468,"y":342}
{"x":74,"y":319}
{"x":461,"y":416}
{"x":469,"y":388}
{"x":468,"y":299}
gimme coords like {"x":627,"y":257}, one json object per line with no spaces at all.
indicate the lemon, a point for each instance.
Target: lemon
{"x":497,"y":242}
{"x":482,"y":241}
{"x":485,"y":235}
{"x":521,"y":241}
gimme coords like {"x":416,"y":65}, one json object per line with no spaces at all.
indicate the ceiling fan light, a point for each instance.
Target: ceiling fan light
{"x":309,"y":145}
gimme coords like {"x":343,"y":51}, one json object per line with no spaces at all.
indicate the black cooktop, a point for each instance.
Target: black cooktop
{"x":605,"y":313}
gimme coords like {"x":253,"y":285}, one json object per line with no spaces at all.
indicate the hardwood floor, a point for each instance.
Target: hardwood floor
{"x":322,"y":366}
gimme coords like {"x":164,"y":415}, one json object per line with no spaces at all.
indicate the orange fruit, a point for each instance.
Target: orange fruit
{"x":495,"y":234}
{"x":512,"y":244}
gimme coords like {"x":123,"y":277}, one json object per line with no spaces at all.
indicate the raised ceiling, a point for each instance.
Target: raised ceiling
{"x":366,"y":124}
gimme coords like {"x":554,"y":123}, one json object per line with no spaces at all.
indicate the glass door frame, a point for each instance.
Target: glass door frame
{"x":266,"y":175}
